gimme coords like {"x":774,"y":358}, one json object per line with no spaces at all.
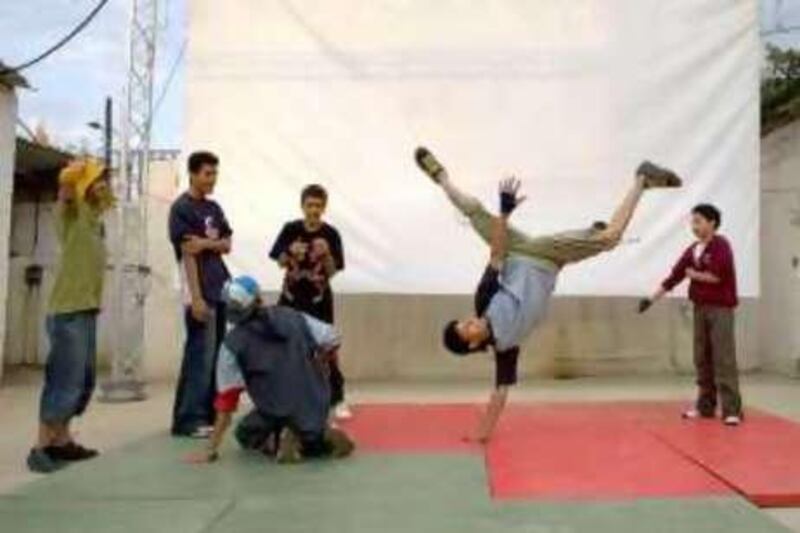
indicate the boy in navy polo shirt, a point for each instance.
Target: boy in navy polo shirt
{"x":708,"y":264}
{"x":200,"y":234}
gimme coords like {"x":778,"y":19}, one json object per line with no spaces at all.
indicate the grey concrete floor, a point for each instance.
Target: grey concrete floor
{"x":108,"y":426}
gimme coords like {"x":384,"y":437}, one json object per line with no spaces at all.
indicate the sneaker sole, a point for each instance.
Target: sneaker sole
{"x":428,"y":163}
{"x":288,"y":449}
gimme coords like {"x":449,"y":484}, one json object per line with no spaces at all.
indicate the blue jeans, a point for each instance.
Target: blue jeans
{"x":194,"y":398}
{"x":69,"y":377}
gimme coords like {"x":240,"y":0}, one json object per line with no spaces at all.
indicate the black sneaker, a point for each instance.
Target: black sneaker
{"x":428,"y":163}
{"x":71,"y":452}
{"x":657,"y":177}
{"x":41,"y":462}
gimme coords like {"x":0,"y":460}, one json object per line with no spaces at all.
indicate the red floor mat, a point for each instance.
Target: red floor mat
{"x":760,"y":458}
{"x":590,"y":451}
{"x":410,"y":428}
{"x":595,"y":451}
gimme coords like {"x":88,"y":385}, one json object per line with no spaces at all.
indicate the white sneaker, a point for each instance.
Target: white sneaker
{"x":202,"y":432}
{"x":732,"y":420}
{"x":342,"y":412}
{"x":691,"y":414}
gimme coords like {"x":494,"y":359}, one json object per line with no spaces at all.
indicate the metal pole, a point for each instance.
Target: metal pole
{"x":108,"y":133}
{"x":131,"y":273}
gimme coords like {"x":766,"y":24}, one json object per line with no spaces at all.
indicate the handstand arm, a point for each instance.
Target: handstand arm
{"x":490,"y":417}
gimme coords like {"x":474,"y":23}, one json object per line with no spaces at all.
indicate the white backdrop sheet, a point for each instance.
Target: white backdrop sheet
{"x":569,"y":96}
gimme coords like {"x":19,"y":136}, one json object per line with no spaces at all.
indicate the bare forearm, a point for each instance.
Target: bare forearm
{"x":330,"y":267}
{"x":499,"y":240}
{"x":491,"y":416}
{"x":221,"y":246}
{"x":192,"y":276}
{"x":660,"y":293}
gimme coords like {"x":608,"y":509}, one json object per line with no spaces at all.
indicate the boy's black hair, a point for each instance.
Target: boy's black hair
{"x":453,"y":341}
{"x":708,"y":212}
{"x":314,"y":191}
{"x":198,"y":159}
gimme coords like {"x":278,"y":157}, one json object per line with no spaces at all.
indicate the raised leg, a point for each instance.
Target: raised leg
{"x":622,"y":216}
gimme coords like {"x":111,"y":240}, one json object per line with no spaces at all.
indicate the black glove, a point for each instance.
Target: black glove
{"x":645,"y":304}
{"x":508,"y":196}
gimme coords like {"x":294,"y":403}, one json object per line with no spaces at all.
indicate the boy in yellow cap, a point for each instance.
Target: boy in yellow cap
{"x":84,"y":196}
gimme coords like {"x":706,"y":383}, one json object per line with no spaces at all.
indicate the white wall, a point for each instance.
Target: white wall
{"x":397,"y":336}
{"x":8,"y":116}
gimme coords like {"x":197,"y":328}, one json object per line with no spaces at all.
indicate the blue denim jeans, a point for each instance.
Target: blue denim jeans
{"x":69,"y":377}
{"x":194,"y":398}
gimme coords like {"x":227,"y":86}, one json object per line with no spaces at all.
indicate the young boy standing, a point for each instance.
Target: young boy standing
{"x":310,"y":251}
{"x":83,"y":198}
{"x":709,"y":265}
{"x":201,"y":235}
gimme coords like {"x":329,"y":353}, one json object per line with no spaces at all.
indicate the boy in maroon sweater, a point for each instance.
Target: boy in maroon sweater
{"x":709,"y":265}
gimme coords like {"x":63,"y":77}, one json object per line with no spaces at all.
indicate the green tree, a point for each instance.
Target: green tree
{"x":780,"y":88}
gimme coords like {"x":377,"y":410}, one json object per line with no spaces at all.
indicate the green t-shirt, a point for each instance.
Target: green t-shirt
{"x":79,"y":280}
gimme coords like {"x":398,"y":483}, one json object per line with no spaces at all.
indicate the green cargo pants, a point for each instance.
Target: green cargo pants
{"x":553,"y":251}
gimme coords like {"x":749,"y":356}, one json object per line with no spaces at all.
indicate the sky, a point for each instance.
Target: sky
{"x":70,"y":86}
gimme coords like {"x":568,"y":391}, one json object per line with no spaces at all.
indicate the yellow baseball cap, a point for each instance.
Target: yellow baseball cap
{"x":81,"y":174}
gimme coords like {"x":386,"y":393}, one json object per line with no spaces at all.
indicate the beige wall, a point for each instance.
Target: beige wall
{"x":780,"y":248}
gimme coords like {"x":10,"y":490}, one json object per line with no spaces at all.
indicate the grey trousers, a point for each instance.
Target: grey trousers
{"x":715,"y":360}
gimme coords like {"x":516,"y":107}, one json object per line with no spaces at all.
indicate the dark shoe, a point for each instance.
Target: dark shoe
{"x":657,"y":177}
{"x":288,"y":448}
{"x":341,"y":444}
{"x":71,"y":452}
{"x":39,"y":461}
{"x":428,"y":163}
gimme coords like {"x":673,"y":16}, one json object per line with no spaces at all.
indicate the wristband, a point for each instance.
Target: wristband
{"x":507,"y":203}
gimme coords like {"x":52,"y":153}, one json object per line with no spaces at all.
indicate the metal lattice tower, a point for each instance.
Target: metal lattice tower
{"x":131,"y":273}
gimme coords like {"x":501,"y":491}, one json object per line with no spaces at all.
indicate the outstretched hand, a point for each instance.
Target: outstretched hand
{"x":509,"y":195}
{"x":645,"y":304}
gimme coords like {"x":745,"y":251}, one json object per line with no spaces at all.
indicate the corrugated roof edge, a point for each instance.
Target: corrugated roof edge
{"x":11,"y":78}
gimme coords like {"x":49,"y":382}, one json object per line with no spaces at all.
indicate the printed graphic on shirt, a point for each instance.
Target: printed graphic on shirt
{"x":306,"y":285}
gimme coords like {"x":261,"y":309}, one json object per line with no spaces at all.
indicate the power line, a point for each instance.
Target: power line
{"x":85,"y":22}
{"x":172,"y":71}
{"x":26,"y":129}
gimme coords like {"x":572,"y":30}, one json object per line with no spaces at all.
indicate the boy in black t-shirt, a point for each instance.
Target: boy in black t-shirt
{"x":310,"y":250}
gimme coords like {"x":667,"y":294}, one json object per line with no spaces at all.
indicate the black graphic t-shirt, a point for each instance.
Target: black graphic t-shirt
{"x":306,"y":286}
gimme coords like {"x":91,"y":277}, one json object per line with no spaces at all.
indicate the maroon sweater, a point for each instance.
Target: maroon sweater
{"x":717,"y":259}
